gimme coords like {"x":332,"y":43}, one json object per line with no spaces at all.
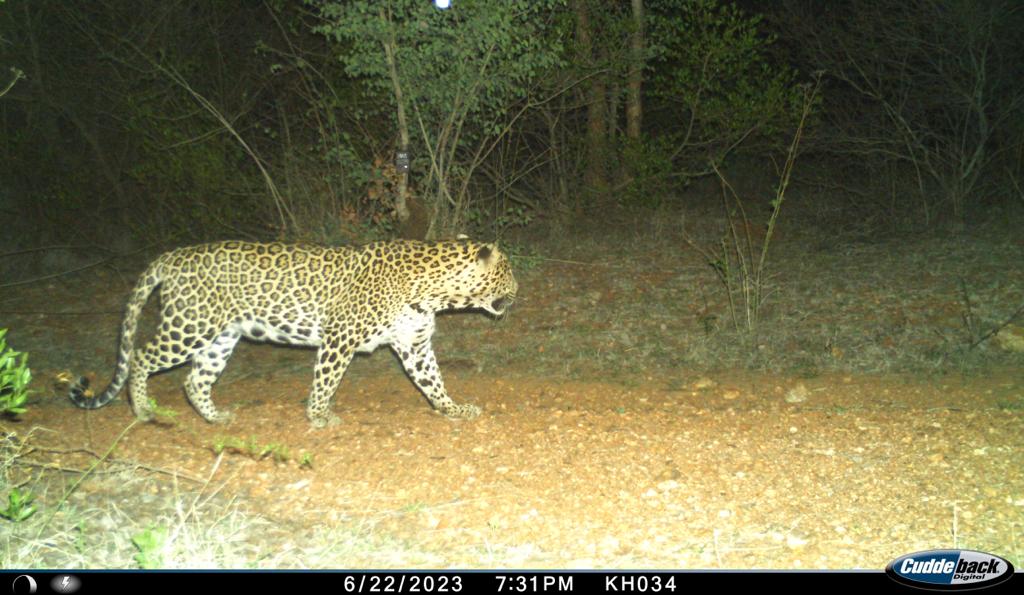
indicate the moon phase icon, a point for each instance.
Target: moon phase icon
{"x":23,"y":584}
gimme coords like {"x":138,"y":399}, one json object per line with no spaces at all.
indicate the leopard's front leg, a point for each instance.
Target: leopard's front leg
{"x":421,"y":365}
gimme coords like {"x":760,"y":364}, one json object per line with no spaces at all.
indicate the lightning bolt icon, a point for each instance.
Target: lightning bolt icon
{"x":64,"y":583}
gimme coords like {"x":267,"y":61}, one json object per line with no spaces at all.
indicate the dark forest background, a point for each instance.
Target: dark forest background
{"x":127,"y":124}
{"x":769,"y":258}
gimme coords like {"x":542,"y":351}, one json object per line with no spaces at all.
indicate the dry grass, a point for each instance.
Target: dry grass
{"x":628,"y":302}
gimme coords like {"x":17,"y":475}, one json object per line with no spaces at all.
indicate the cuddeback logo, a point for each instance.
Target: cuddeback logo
{"x":949,"y":570}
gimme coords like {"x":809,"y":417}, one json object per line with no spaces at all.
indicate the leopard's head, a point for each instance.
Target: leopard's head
{"x":485,"y":280}
{"x":500,"y":285}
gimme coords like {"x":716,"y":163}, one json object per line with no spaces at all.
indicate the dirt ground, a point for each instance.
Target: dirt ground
{"x":656,"y":468}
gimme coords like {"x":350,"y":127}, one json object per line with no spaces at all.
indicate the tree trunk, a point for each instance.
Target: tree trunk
{"x":401,"y":200}
{"x":594,"y":178}
{"x":614,"y":98}
{"x":634,"y":108}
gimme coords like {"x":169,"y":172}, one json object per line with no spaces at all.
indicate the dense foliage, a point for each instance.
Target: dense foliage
{"x":149,"y":121}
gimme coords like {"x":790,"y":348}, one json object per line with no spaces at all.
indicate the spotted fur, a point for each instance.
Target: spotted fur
{"x":340,"y":300}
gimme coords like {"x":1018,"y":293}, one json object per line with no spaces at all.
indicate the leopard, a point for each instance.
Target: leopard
{"x":341,"y":300}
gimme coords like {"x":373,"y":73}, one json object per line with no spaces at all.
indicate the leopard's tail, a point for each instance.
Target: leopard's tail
{"x":143,"y":288}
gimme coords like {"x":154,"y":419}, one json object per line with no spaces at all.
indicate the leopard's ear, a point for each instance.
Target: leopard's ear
{"x":485,"y":252}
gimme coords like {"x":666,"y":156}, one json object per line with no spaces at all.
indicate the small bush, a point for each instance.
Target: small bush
{"x":14,"y":379}
{"x":19,"y":506}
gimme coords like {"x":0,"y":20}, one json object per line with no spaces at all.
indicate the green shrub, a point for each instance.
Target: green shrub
{"x":14,"y":378}
{"x":19,"y":506}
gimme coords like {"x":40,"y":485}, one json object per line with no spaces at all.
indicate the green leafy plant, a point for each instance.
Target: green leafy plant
{"x":712,"y":59}
{"x":163,"y":412}
{"x":150,"y":544}
{"x":455,"y":81}
{"x":252,"y":448}
{"x":513,"y":215}
{"x":14,"y":379}
{"x":524,"y":258}
{"x":19,"y":506}
{"x":649,"y":161}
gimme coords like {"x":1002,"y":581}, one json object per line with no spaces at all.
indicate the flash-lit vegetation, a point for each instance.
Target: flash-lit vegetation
{"x":769,"y":257}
